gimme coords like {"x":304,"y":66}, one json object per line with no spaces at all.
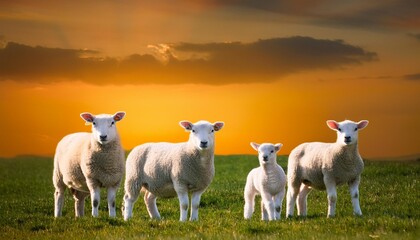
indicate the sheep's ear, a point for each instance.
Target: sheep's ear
{"x":255,"y":146}
{"x":186,"y":125}
{"x":362,"y":124}
{"x":88,"y":117}
{"x":218,"y":125}
{"x":278,"y":146}
{"x":119,"y":116}
{"x":332,"y":124}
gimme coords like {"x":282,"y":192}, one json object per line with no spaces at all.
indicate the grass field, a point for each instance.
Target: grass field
{"x":390,"y":201}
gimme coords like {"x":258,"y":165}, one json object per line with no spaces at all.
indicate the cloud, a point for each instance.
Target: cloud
{"x":264,"y":60}
{"x":415,"y":76}
{"x":391,"y":14}
{"x":415,"y":36}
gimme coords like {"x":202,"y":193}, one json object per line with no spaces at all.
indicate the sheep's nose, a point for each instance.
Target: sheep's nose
{"x":203,"y":144}
{"x":347,"y":138}
{"x":103,"y":137}
{"x":265,"y":158}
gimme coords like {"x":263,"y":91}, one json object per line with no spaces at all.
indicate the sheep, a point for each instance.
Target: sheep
{"x":172,"y":169}
{"x":268,"y":180}
{"x":324,"y":166}
{"x":85,"y":162}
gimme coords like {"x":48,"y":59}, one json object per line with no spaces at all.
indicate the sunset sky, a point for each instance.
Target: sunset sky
{"x":273,"y":71}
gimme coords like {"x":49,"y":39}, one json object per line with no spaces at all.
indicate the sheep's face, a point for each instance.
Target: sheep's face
{"x":103,"y":126}
{"x":202,"y":133}
{"x":347,"y":131}
{"x":267,"y":152}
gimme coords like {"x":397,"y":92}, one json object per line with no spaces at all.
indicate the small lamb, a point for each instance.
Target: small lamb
{"x":326,"y":166}
{"x":172,"y":169}
{"x":85,"y":162}
{"x":268,"y":180}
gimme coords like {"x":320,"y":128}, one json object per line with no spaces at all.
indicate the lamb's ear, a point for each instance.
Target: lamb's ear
{"x":278,"y":146}
{"x":362,"y":124}
{"x":88,"y":117}
{"x":218,"y":125}
{"x":119,"y":116}
{"x":186,"y":125}
{"x":332,"y":124}
{"x":255,"y":146}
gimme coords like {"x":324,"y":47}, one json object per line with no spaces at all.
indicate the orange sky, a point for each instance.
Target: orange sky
{"x":272,"y":72}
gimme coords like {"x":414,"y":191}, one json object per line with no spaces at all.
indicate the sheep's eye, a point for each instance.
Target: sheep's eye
{"x":212,"y":130}
{"x":113,"y":123}
{"x":94,"y":123}
{"x":193,"y":131}
{"x":272,"y":151}
{"x":339,"y":129}
{"x":355,"y":129}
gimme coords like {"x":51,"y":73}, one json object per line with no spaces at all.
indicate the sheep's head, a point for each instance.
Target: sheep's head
{"x":267,"y":152}
{"x":347,"y":131}
{"x":103,"y":125}
{"x":202,"y":133}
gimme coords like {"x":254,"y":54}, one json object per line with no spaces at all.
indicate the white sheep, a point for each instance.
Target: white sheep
{"x":326,"y":166}
{"x":85,"y":162}
{"x":172,"y":169}
{"x":268,"y":180}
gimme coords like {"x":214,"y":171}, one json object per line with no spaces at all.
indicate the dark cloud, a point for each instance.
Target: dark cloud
{"x":415,"y":35}
{"x":391,"y":14}
{"x":415,"y":76}
{"x":212,"y":63}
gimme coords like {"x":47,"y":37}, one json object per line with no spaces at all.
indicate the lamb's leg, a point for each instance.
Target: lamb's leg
{"x":264,"y":213}
{"x":354,"y":193}
{"x":182,"y":193}
{"x":112,"y":191}
{"x":150,"y":201}
{"x":195,"y":204}
{"x":79,"y":202}
{"x":268,"y":206}
{"x":132,"y":192}
{"x":58,"y":201}
{"x":302,"y":200}
{"x":95,"y":196}
{"x":292,"y":193}
{"x":249,"y":196}
{"x":60,"y":188}
{"x":278,"y":201}
{"x":332,"y":195}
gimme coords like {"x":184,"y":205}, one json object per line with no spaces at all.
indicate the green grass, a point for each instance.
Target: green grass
{"x":390,"y":201}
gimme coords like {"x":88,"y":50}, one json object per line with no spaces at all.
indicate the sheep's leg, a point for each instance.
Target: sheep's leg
{"x":249,"y":197}
{"x":332,"y":196}
{"x":267,"y":207}
{"x":278,"y":201}
{"x":264,"y":213}
{"x":195,"y":204}
{"x":150,"y":201}
{"x":112,"y":191}
{"x":354,"y":193}
{"x":58,"y":201}
{"x":60,"y":188}
{"x":302,"y":200}
{"x":292,"y":193}
{"x":182,"y":193}
{"x":95,"y":196}
{"x":79,"y":202}
{"x":183,"y":205}
{"x":132,"y":192}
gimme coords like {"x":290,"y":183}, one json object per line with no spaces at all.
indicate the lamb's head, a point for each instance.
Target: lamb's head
{"x":267,"y":152}
{"x":347,"y":131}
{"x":103,"y":125}
{"x":202,"y":133}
